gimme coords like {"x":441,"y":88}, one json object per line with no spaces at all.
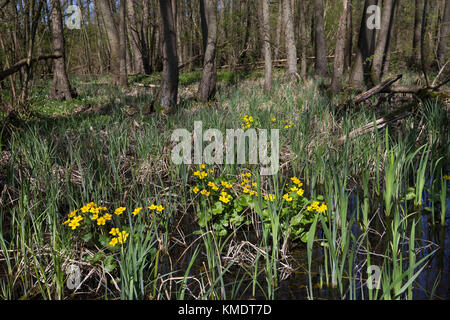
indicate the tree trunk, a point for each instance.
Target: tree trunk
{"x":61,"y":87}
{"x":365,"y":49}
{"x":290,"y":40}
{"x":384,"y":37}
{"x":321,"y":49}
{"x":167,"y":97}
{"x":278,"y":31}
{"x":339,"y":55}
{"x":135,"y":40}
{"x":207,"y":85}
{"x":302,"y":22}
{"x":444,"y":34}
{"x":114,"y":41}
{"x":349,"y":36}
{"x":265,"y":34}
{"x":122,"y":44}
{"x":415,"y":56}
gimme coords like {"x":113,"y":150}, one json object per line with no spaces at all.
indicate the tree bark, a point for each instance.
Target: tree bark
{"x":302,"y":22}
{"x":415,"y":56}
{"x":265,"y":34}
{"x":365,"y":49}
{"x":339,"y":56}
{"x":122,"y":44}
{"x":167,"y":97}
{"x":442,"y":47}
{"x":207,"y":85}
{"x":321,"y":49}
{"x":114,"y":41}
{"x":290,"y":40}
{"x":136,"y":43}
{"x":61,"y":86}
{"x":349,"y":36}
{"x":384,"y":37}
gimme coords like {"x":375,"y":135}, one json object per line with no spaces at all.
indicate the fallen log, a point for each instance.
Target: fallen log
{"x":375,"y":90}
{"x":380,"y":123}
{"x":16,"y":67}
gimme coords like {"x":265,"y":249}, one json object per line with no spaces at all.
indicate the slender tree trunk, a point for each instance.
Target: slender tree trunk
{"x":442,"y":46}
{"x":339,"y":55}
{"x":122,"y":44}
{"x":114,"y":41}
{"x":415,"y":56}
{"x":265,"y":30}
{"x":422,"y":41}
{"x":321,"y":49}
{"x":384,"y":37}
{"x":365,"y":49}
{"x":302,"y":22}
{"x":135,"y":40}
{"x":349,"y":36}
{"x":167,"y":97}
{"x":278,"y":30}
{"x":61,"y":87}
{"x":207,"y":86}
{"x":290,"y":40}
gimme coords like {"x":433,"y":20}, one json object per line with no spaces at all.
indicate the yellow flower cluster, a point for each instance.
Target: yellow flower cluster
{"x":247,"y":184}
{"x":213,"y":186}
{"x":446,"y":177}
{"x":158,"y":208}
{"x":226,"y":184}
{"x":269,"y":197}
{"x":288,"y":124}
{"x":75,"y":222}
{"x":316,"y":206}
{"x":201,"y":174}
{"x":119,"y":236}
{"x":225,"y":197}
{"x":247,"y":122}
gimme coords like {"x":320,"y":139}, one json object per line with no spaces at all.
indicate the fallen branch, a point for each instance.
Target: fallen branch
{"x":16,"y":67}
{"x":380,"y":123}
{"x":377,"y":89}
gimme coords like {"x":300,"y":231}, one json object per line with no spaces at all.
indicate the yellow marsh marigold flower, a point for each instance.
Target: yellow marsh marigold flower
{"x":205,"y":192}
{"x":107,"y":216}
{"x":119,"y":210}
{"x":94,"y":210}
{"x":300,"y":192}
{"x":101,"y":221}
{"x":201,"y":174}
{"x":73,"y":213}
{"x":75,"y":222}
{"x":246,"y":190}
{"x":122,"y":237}
{"x":446,"y":177}
{"x":136,"y":211}
{"x":202,"y":166}
{"x":287,"y":197}
{"x":152,"y":207}
{"x":114,"y":231}
{"x":297,"y":181}
{"x":94,"y":216}
{"x":113,"y":242}
{"x":226,"y":184}
{"x":269,"y":197}
{"x":253,"y":193}
{"x":159,"y":208}
{"x":274,"y":119}
{"x":322,"y":208}
{"x":225,"y":197}
{"x":294,"y":188}
{"x":213,"y":186}
{"x":195,"y":190}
